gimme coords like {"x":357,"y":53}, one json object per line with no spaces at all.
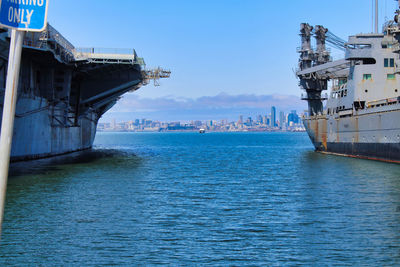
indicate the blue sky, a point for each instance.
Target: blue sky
{"x":235,"y":47}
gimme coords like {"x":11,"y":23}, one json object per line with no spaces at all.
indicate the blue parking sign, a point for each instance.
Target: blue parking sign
{"x":26,"y":15}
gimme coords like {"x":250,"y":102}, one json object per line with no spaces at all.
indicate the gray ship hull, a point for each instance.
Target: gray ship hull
{"x":63,"y":92}
{"x":37,"y":135}
{"x":371,"y":134}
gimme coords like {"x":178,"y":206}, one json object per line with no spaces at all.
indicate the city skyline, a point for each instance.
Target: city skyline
{"x":268,"y":122}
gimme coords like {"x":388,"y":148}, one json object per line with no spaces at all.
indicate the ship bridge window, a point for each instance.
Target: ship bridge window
{"x":388,"y":62}
{"x":384,"y":46}
{"x":364,"y":61}
{"x":359,"y":46}
{"x":391,"y":77}
{"x":368,"y":61}
{"x":367,"y":77}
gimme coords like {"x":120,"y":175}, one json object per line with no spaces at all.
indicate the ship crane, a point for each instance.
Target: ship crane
{"x":155,"y":75}
{"x":327,"y":69}
{"x":316,"y":67}
{"x":335,"y":41}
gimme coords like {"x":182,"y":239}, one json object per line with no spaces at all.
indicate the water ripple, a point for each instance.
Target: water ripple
{"x":248,"y":199}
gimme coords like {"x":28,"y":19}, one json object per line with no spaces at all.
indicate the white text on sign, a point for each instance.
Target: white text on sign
{"x":22,"y":15}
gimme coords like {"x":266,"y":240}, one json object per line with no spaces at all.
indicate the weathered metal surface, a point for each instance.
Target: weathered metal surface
{"x":60,"y":98}
{"x":361,"y":117}
{"x":373,"y":135}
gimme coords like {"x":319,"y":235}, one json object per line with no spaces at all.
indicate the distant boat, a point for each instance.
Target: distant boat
{"x":202,"y":130}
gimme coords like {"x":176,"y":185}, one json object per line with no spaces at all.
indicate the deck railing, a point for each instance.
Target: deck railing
{"x":97,"y":50}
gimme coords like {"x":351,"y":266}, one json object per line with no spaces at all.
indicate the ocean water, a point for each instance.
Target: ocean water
{"x":259,"y":199}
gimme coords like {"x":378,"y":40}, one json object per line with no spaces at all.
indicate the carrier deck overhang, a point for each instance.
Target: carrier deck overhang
{"x":63,"y":91}
{"x":103,"y":78}
{"x":97,"y":77}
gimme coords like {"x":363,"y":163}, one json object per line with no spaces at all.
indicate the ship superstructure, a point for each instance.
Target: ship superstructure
{"x":361,"y":117}
{"x":63,"y":91}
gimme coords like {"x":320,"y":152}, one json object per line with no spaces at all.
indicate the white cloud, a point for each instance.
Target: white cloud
{"x":134,"y":103}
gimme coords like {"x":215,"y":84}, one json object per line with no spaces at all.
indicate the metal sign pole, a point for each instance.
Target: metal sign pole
{"x":7,"y":124}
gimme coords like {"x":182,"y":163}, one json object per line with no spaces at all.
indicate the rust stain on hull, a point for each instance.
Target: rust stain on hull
{"x":317,"y":130}
{"x":324,"y":134}
{"x":357,"y":135}
{"x":337,"y":130}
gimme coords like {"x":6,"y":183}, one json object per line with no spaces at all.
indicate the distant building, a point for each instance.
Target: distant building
{"x":273,"y":116}
{"x":265,"y":120}
{"x":174,"y":123}
{"x":293,"y":117}
{"x":282,"y":121}
{"x":249,"y":121}
{"x":198,"y":123}
{"x":120,"y":126}
{"x":130,"y":125}
{"x":259,"y":119}
{"x":101,"y":126}
{"x":240,"y":121}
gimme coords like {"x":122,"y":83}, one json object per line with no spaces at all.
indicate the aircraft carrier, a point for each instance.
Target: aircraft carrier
{"x":360,"y":117}
{"x":63,"y":91}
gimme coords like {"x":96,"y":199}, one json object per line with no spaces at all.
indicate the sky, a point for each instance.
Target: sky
{"x":213,"y":48}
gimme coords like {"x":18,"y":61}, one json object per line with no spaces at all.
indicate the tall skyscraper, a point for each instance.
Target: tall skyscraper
{"x":282,"y":119}
{"x":249,"y":121}
{"x":240,"y":119}
{"x":273,"y":116}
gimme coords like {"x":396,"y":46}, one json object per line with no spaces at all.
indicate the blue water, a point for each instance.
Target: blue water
{"x":202,"y":199}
